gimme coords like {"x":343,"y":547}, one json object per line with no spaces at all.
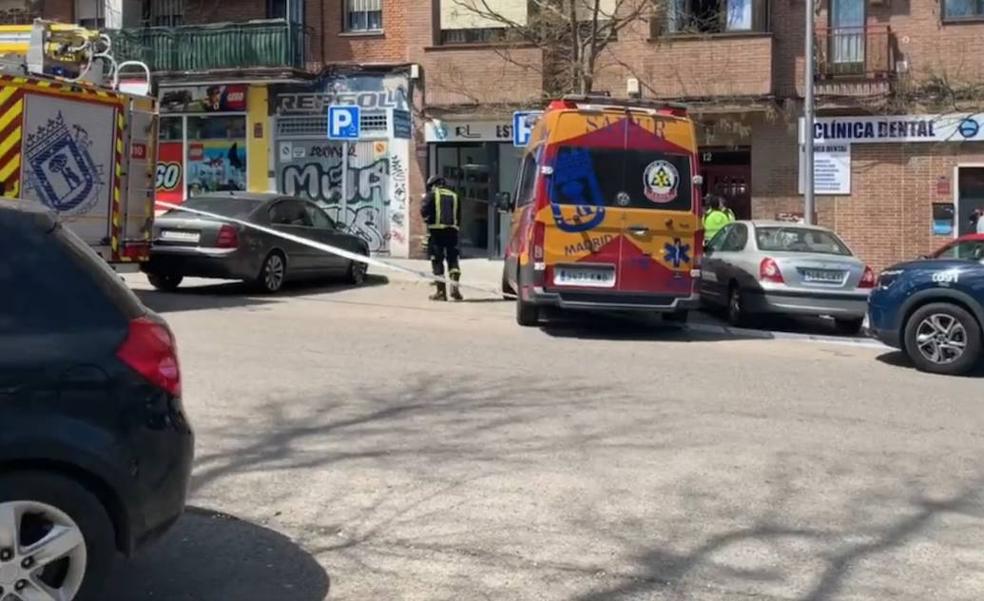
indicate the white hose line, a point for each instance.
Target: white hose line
{"x":338,"y":251}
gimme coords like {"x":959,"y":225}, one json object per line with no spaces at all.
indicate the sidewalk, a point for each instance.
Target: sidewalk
{"x":477,"y":272}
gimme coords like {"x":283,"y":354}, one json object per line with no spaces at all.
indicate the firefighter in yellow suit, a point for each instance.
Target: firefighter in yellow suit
{"x":441,"y":212}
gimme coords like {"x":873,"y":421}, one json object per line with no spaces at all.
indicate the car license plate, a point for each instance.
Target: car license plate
{"x":591,"y":277}
{"x":824,"y":276}
{"x":179,"y":236}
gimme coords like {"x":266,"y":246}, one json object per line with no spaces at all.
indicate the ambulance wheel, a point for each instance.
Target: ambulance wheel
{"x":527,"y":314}
{"x":166,"y":282}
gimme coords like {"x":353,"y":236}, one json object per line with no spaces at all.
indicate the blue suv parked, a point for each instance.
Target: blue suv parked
{"x":933,"y":309}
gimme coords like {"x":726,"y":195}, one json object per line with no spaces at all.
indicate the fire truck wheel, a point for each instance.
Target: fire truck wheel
{"x":168,"y":282}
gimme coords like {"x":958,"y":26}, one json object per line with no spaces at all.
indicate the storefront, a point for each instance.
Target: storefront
{"x":376,"y":173}
{"x":212,"y":139}
{"x":477,"y":159}
{"x":895,"y":186}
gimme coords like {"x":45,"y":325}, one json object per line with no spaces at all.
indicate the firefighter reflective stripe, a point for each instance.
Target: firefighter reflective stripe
{"x":445,"y":209}
{"x":11,"y":133}
{"x":117,"y":190}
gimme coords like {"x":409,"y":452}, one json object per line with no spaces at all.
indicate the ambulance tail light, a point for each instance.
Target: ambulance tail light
{"x":539,"y":237}
{"x":868,"y":280}
{"x":769,"y":271}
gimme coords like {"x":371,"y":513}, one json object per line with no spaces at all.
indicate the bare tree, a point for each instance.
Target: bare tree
{"x":572,"y":34}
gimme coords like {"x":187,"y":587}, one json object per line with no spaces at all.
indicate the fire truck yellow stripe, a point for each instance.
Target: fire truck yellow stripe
{"x":6,"y":93}
{"x":10,"y":168}
{"x":10,"y":141}
{"x":9,"y":114}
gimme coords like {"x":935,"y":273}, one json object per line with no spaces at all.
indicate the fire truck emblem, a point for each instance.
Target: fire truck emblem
{"x":60,"y":167}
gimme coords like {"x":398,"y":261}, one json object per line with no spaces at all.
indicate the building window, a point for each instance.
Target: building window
{"x":90,"y":14}
{"x":716,"y":16}
{"x":470,"y":22}
{"x":163,"y":13}
{"x":290,"y":10}
{"x":963,"y":9}
{"x":363,"y":15}
{"x":19,"y":12}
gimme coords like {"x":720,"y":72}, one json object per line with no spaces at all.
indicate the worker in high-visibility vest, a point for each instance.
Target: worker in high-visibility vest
{"x":716,"y":218}
{"x":442,"y":215}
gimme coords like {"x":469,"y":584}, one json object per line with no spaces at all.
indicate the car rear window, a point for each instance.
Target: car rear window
{"x":237,"y":208}
{"x":798,"y":239}
{"x":56,"y":283}
{"x":639,"y":179}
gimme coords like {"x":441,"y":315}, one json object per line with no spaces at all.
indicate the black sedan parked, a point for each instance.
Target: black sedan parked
{"x":190,"y":245}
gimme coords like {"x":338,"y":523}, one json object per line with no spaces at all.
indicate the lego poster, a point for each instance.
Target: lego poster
{"x":205,"y":99}
{"x":216,"y":166}
{"x":170,"y":173}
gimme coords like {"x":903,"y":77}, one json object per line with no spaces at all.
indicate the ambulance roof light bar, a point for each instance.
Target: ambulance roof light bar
{"x":573,"y":101}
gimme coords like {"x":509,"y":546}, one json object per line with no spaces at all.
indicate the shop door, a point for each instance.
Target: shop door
{"x":733,"y":183}
{"x":970,"y":190}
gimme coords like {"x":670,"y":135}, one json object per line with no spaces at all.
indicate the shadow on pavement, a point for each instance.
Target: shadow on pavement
{"x":210,"y":556}
{"x":899,"y":359}
{"x":608,"y":326}
{"x":228,"y":295}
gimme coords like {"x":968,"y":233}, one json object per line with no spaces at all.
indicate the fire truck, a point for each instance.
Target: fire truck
{"x":78,"y":134}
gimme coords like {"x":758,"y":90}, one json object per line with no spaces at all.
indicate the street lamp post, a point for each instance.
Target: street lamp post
{"x":809,"y":201}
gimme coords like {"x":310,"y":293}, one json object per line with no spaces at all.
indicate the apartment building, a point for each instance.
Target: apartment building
{"x":898,"y":153}
{"x":244,"y":86}
{"x":245,"y":83}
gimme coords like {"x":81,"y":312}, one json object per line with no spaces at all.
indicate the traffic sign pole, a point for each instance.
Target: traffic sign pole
{"x":343,"y":204}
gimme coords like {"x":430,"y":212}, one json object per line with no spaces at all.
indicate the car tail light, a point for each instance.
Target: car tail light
{"x":539,"y":237}
{"x":868,"y":280}
{"x":769,"y":271}
{"x":149,"y":349}
{"x":228,"y":237}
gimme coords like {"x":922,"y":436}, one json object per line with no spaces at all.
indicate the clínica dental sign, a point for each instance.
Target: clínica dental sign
{"x":883,"y":129}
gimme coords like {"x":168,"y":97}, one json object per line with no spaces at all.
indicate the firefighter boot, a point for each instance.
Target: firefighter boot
{"x":441,"y":294}
{"x":455,"y":292}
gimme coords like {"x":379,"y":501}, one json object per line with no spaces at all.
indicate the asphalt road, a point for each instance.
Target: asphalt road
{"x":368,"y":445}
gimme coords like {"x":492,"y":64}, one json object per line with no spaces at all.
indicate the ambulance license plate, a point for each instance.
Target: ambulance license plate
{"x":588,"y":277}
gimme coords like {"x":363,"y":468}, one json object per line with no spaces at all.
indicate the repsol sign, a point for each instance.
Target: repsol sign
{"x":319,"y":102}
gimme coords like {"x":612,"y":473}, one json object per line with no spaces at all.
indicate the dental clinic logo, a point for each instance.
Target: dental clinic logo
{"x":61,"y":171}
{"x":969,"y":128}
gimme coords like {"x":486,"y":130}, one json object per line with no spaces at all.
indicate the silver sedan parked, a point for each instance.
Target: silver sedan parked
{"x":759,"y":267}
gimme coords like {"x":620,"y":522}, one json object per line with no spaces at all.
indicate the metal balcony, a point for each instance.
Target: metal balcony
{"x":859,"y":53}
{"x":268,"y":44}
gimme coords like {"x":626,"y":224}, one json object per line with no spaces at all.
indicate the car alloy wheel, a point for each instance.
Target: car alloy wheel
{"x":736,"y":307}
{"x":42,"y":552}
{"x":274,"y":271}
{"x":941,"y":339}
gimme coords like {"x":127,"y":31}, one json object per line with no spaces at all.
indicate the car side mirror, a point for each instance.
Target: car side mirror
{"x":503,"y":200}
{"x":707,"y":249}
{"x":923,"y":256}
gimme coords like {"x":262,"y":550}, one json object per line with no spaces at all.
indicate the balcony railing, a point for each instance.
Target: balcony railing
{"x":855,"y":52}
{"x":199,"y":48}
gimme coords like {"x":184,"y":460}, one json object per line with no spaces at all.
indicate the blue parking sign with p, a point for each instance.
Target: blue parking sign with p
{"x":523,"y":122}
{"x":343,"y":122}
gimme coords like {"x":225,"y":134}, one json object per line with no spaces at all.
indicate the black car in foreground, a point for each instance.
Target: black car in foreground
{"x":187,"y":244}
{"x":95,"y":448}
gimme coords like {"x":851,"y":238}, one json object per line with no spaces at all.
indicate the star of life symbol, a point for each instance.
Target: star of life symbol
{"x":61,"y":171}
{"x":676,"y":253}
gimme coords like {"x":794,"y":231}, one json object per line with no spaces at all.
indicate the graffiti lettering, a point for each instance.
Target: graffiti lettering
{"x":367,"y":222}
{"x":168,"y":176}
{"x":314,"y":180}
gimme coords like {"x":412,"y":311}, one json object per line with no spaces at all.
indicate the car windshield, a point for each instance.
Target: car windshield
{"x":972,"y":250}
{"x":237,"y":208}
{"x":800,"y":240}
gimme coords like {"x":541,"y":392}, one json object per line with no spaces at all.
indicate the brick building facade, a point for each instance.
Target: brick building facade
{"x":738,"y":65}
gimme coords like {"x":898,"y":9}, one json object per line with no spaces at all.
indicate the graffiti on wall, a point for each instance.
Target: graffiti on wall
{"x":314,"y":169}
